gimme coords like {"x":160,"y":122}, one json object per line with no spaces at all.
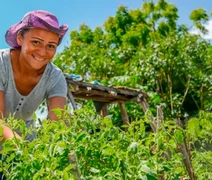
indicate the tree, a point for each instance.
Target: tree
{"x":146,"y":49}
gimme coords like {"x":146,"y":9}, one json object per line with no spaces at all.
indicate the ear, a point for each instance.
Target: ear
{"x":19,"y":39}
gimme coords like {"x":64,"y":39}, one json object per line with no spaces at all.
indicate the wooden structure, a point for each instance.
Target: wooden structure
{"x":102,"y":96}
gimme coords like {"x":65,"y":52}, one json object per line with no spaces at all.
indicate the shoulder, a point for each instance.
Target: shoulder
{"x":4,"y":67}
{"x":53,"y":71}
{"x":4,"y":55}
{"x":54,"y":74}
{"x":4,"y":59}
{"x":56,"y":82}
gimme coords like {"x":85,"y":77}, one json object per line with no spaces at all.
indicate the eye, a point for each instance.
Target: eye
{"x":51,"y":46}
{"x":35,"y":43}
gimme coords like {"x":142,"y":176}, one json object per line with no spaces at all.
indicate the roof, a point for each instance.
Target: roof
{"x":97,"y":92}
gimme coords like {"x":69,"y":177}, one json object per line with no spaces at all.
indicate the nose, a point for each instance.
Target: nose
{"x":42,"y":51}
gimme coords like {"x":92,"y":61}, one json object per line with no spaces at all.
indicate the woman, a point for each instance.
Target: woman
{"x":27,"y":76}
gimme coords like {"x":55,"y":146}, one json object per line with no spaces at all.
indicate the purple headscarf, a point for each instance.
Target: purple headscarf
{"x":38,"y":19}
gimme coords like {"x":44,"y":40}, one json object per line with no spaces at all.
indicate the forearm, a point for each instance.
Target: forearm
{"x":8,"y":133}
{"x":54,"y":104}
{"x":54,"y":117}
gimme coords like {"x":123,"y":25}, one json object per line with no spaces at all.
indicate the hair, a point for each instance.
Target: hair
{"x":23,"y":31}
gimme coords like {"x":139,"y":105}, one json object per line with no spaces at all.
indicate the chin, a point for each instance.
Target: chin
{"x":38,"y":66}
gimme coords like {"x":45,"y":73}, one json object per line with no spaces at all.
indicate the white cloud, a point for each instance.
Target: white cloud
{"x":208,"y":26}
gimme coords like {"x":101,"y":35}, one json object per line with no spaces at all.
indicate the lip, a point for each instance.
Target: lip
{"x":38,"y":59}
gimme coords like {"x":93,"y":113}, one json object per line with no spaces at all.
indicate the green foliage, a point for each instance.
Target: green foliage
{"x":146,"y":49}
{"x":199,"y":16}
{"x":200,"y":128}
{"x":200,"y":137}
{"x":108,"y":153}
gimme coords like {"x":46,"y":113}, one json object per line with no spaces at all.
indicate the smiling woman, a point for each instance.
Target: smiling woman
{"x":38,"y":48}
{"x":27,"y":76}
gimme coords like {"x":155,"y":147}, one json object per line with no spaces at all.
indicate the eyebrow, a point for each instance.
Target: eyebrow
{"x":52,"y":42}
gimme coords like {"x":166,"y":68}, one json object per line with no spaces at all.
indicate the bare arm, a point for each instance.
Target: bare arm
{"x":55,"y":102}
{"x":7,"y":132}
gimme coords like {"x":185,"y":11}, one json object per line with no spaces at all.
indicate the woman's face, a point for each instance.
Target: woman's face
{"x":38,"y":47}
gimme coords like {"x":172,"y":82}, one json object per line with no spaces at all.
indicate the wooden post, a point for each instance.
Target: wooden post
{"x":183,"y":147}
{"x":166,"y":155}
{"x":104,"y":111}
{"x":145,"y":107}
{"x":73,"y":160}
{"x":101,"y":108}
{"x":187,"y":156}
{"x":124,"y":115}
{"x":71,"y":98}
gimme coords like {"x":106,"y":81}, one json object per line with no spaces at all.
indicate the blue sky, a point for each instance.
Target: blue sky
{"x":91,"y":12}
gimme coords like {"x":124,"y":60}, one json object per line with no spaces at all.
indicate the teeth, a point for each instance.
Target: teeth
{"x":39,"y":59}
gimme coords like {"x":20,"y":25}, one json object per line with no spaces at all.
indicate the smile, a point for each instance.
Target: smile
{"x":38,"y":59}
